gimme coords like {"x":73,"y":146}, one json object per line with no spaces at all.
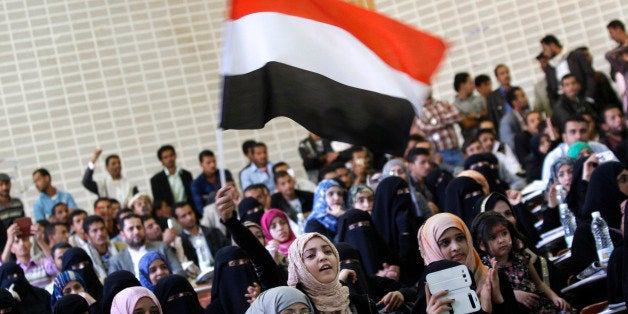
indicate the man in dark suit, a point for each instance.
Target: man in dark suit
{"x":200,"y":243}
{"x":563,"y":62}
{"x":513,"y":122}
{"x":134,"y":235}
{"x":496,"y":102}
{"x":172,"y":184}
{"x":290,"y":200}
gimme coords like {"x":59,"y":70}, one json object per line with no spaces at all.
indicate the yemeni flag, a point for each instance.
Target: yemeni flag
{"x":343,"y":72}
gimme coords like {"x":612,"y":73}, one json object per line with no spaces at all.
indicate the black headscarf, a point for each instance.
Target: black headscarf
{"x":8,"y":302}
{"x":366,"y":238}
{"x":247,"y":204}
{"x":437,"y":181}
{"x":75,"y":256}
{"x":114,"y":283}
{"x":603,"y":194}
{"x":185,"y":299}
{"x":37,"y":299}
{"x":346,"y":251}
{"x":490,"y":170}
{"x":577,"y":191}
{"x":231,"y":282}
{"x":71,"y":304}
{"x":462,"y":194}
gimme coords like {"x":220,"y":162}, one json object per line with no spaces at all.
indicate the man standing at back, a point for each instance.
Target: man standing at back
{"x":205,"y":186}
{"x":513,"y":122}
{"x":113,"y":185}
{"x":172,"y":184}
{"x":49,"y":195}
{"x":496,"y":102}
{"x":11,"y":208}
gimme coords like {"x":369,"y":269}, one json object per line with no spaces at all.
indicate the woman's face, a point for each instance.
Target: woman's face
{"x":453,"y":245}
{"x":259,"y":234}
{"x":334,"y":196}
{"x":565,"y":173}
{"x":296,"y":308}
{"x":320,"y":261}
{"x":73,"y":287}
{"x":503,"y":209}
{"x":279,"y":229}
{"x":145,"y":305}
{"x":157,"y":270}
{"x":364,"y":202}
{"x":398,"y":171}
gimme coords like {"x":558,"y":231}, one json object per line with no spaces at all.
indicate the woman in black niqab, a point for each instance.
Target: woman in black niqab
{"x":114,"y":283}
{"x":36,"y":299}
{"x":462,"y":194}
{"x":76,"y":259}
{"x":176,"y":295}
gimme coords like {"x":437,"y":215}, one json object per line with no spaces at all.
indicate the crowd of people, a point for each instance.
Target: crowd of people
{"x":364,"y":230}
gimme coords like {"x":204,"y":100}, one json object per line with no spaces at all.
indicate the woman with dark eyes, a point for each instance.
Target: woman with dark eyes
{"x":176,"y":296}
{"x":462,"y":193}
{"x":114,"y":283}
{"x":445,"y":236}
{"x":76,"y":259}
{"x":235,"y":282}
{"x":152,"y":267}
{"x":69,"y":282}
{"x":328,"y":206}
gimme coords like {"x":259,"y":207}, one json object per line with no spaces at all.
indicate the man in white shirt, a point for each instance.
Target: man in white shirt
{"x":113,"y":184}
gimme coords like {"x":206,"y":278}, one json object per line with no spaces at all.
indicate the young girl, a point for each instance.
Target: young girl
{"x":496,"y":237}
{"x":277,"y":230}
{"x":361,"y":197}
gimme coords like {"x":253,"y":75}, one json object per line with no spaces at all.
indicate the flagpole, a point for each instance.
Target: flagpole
{"x":221,"y":157}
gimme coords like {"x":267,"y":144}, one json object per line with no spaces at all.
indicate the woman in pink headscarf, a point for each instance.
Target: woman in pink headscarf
{"x":314,"y":268}
{"x":444,"y":236}
{"x":135,"y":300}
{"x":276,"y":227}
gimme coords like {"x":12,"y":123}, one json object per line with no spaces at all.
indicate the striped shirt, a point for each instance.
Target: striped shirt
{"x":11,"y":211}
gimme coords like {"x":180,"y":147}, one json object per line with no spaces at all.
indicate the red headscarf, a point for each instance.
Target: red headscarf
{"x":267,"y":218}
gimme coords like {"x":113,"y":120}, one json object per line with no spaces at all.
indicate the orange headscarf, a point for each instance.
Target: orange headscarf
{"x":433,"y":229}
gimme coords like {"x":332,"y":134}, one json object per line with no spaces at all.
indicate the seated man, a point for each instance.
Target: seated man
{"x":200,"y":243}
{"x":473,"y":147}
{"x":56,"y":232}
{"x":134,"y":235}
{"x":59,"y":214}
{"x":575,"y":129}
{"x":78,"y":238}
{"x":504,"y":154}
{"x":155,"y":233}
{"x":100,"y":249}
{"x":48,"y":196}
{"x":38,"y":270}
{"x":204,"y":187}
{"x":316,"y":154}
{"x":290,"y":200}
{"x":259,"y":192}
{"x":260,"y":170}
{"x":614,"y":128}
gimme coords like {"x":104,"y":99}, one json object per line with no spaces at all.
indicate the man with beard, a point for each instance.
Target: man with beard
{"x":49,"y":195}
{"x":134,"y":235}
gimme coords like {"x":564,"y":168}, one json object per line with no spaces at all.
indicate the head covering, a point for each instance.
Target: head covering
{"x":71,"y":304}
{"x":278,"y":299}
{"x":247,"y":204}
{"x":490,"y":170}
{"x":388,"y":166}
{"x":74,"y":256}
{"x":575,"y":197}
{"x":125,"y":300}
{"x":7,"y":301}
{"x":437,"y":181}
{"x":575,"y":148}
{"x":348,"y":252}
{"x":356,"y":190}
{"x":144,"y":264}
{"x":462,"y":193}
{"x":319,"y":209}
{"x":267,"y":219}
{"x":365,"y":238}
{"x":392,"y":201}
{"x":603,"y":194}
{"x":38,"y":300}
{"x":59,"y":283}
{"x":326,"y":297}
{"x":434,"y":228}
{"x":114,"y":283}
{"x":230,"y":282}
{"x":564,"y":160}
{"x":176,"y":295}
{"x":478,"y":177}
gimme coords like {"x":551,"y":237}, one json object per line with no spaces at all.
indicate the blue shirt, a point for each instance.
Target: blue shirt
{"x":507,"y":106}
{"x":253,"y":175}
{"x":203,"y":192}
{"x":43,"y":205}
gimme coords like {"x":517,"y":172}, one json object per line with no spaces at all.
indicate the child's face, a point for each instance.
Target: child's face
{"x":364,"y":202}
{"x":499,"y":242}
{"x":544,"y":144}
{"x":565,"y":174}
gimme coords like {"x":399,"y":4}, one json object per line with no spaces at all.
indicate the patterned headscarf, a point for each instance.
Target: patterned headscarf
{"x":319,"y":210}
{"x":556,"y":166}
{"x":433,"y":229}
{"x":356,"y":190}
{"x":63,"y":279}
{"x":327,"y":297}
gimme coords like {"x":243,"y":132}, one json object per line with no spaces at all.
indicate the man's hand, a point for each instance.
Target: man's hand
{"x":96,"y":154}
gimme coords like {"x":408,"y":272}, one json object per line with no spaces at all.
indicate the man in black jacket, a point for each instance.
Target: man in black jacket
{"x":290,"y":200}
{"x":172,"y":184}
{"x":200,"y":243}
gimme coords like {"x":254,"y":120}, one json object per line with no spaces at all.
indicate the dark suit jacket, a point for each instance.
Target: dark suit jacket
{"x":161,"y":188}
{"x":123,"y":261}
{"x":580,"y":67}
{"x":496,"y":106}
{"x":306,"y":198}
{"x":215,"y":240}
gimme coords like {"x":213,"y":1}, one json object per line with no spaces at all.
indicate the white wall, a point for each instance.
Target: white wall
{"x":131,"y":75}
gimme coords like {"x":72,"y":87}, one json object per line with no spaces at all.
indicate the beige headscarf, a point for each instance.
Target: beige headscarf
{"x":433,"y":229}
{"x":327,"y":297}
{"x":478,"y":177}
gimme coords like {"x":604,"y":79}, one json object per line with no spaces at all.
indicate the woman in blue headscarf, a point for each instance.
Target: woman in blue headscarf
{"x":328,"y":206}
{"x":152,"y":267}
{"x":71,"y":282}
